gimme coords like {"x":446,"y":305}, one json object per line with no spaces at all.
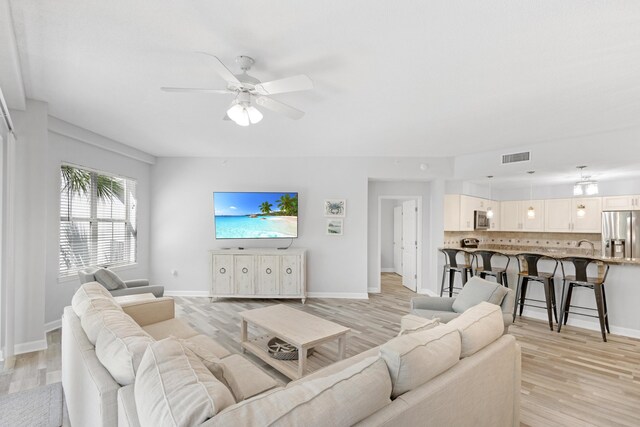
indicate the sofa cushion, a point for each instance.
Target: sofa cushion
{"x":86,"y":293}
{"x":203,"y":344}
{"x":172,"y":327}
{"x":412,"y":323}
{"x":109,"y":279}
{"x":120,"y":346}
{"x":479,"y":326}
{"x":334,"y":400}
{"x":416,"y":358}
{"x":173,"y":387}
{"x":245,"y":379}
{"x":98,"y":312}
{"x":476,"y":291}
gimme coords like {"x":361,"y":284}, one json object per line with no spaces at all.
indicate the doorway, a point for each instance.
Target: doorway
{"x":399,"y":242}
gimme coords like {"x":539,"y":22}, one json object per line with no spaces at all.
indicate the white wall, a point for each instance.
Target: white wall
{"x":403,"y":189}
{"x":182,"y":220}
{"x":30,"y":216}
{"x":386,"y":234}
{"x":65,"y":149}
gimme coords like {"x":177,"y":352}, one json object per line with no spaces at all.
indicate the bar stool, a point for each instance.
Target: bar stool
{"x":487,"y":269}
{"x":452,"y":266}
{"x":582,"y":280}
{"x":528,"y":271}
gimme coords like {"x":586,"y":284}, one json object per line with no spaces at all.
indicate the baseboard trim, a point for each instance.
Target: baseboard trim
{"x":346,"y":295}
{"x":28,"y":347}
{"x":374,"y":290}
{"x":584,"y":324}
{"x":186,"y":293}
{"x":427,"y":292}
{"x":52,"y":326}
{"x":387,"y":270}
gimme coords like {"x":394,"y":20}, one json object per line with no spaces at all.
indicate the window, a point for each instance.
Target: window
{"x":97,"y":220}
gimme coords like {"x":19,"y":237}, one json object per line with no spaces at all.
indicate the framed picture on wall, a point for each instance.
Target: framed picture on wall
{"x":335,"y":208}
{"x":335,"y":227}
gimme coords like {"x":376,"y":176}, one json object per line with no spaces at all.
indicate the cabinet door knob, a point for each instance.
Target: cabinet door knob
{"x":245,"y":270}
{"x":289,"y":270}
{"x":268,"y":270}
{"x":223,"y":270}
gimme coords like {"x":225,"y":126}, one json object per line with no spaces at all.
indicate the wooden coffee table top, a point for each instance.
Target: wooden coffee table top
{"x":294,"y":326}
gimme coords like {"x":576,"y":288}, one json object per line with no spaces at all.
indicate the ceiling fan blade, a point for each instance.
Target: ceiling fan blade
{"x":279,"y":107}
{"x":222,"y":69}
{"x":194,"y":90}
{"x":288,"y":84}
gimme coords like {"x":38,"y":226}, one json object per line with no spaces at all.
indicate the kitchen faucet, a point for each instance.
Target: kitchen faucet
{"x":593,"y":248}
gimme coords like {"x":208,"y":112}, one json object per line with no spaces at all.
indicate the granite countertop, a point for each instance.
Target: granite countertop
{"x":551,"y":253}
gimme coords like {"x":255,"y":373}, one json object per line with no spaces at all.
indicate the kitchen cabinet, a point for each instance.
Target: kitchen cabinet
{"x":621,"y":203}
{"x":452,"y":212}
{"x":558,"y":215}
{"x":494,"y":221}
{"x":468,"y":206}
{"x":561,"y":215}
{"x":513,"y":215}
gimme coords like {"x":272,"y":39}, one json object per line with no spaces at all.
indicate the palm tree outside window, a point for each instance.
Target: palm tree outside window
{"x":98,"y":224}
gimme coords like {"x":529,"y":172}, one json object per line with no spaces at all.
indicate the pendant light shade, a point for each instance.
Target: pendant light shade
{"x":581,"y":211}
{"x":586,"y":186}
{"x":489,"y":212}
{"x":531,"y":212}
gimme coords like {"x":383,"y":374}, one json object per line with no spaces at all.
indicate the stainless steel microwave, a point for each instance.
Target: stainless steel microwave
{"x":480,"y":220}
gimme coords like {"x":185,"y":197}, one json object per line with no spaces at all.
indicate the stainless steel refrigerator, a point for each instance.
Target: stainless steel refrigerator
{"x":621,"y":234}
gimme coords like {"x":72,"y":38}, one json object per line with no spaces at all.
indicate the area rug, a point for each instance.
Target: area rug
{"x":40,"y":407}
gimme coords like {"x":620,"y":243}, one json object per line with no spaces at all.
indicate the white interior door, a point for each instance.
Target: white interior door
{"x":397,"y":240}
{"x":409,"y":244}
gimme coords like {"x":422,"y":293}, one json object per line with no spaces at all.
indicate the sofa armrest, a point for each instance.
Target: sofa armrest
{"x":432,"y":303}
{"x":509,"y":302}
{"x":147,"y":312}
{"x":136,"y":283}
{"x":156,"y":290}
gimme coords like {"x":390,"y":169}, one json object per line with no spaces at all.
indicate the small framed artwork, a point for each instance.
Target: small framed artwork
{"x":335,"y":227}
{"x":335,"y":208}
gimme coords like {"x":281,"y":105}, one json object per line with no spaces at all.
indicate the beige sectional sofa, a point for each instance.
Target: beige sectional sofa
{"x":463,"y":373}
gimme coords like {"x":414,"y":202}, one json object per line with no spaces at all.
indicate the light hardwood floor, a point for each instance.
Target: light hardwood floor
{"x":568,"y":379}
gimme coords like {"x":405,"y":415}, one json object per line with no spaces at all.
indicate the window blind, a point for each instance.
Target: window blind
{"x":97,"y":220}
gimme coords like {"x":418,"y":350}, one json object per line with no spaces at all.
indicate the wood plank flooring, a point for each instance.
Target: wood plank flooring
{"x":568,"y":379}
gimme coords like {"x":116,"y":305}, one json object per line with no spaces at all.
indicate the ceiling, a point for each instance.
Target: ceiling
{"x":410,"y":78}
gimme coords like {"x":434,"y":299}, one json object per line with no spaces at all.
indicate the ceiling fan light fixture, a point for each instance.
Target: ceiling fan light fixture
{"x":254,"y":114}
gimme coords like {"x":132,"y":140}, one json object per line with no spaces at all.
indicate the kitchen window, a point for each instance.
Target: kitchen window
{"x":98,"y":224}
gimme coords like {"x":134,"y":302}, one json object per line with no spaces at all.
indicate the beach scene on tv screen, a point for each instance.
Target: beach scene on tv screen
{"x":255,"y":215}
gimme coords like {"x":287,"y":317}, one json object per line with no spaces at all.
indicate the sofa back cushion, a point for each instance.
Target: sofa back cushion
{"x":174,"y":388}
{"x":98,"y":311}
{"x":109,"y":279}
{"x":120,"y":345}
{"x":479,"y":326}
{"x":416,"y":358}
{"x":340,"y":399}
{"x":86,"y":293}
{"x":412,"y":323}
{"x":477,"y":290}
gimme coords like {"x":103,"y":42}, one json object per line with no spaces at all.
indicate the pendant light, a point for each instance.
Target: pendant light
{"x":586,"y":185}
{"x":489,"y":209}
{"x":531,"y":212}
{"x":582,"y":210}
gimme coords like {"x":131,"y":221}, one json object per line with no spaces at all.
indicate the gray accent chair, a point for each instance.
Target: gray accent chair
{"x":133,"y":287}
{"x":474,"y":291}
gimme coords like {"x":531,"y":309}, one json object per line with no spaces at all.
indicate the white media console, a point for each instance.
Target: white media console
{"x":258,"y":273}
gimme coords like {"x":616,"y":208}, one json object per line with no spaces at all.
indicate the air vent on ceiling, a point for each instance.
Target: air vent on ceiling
{"x":516,"y":157}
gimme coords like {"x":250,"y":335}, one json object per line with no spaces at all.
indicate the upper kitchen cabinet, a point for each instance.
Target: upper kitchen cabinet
{"x":468,"y":206}
{"x":514,"y":215}
{"x":452,"y":212}
{"x":494,"y":221}
{"x":573,"y":215}
{"x":621,"y":203}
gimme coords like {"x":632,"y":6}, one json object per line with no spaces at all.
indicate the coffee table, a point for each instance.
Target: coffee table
{"x":300,"y":329}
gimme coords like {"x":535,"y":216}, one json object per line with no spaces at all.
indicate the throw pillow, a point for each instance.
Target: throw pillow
{"x":479,"y":326}
{"x":86,"y":293}
{"x":109,"y":279}
{"x":98,"y":312}
{"x":412,"y":323}
{"x":173,"y":387}
{"x":416,"y":358}
{"x":477,"y":290}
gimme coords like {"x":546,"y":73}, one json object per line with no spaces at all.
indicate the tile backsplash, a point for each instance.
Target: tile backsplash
{"x":525,"y":240}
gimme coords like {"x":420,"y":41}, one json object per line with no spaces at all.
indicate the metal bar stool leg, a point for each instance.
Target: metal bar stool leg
{"x":600,"y":304}
{"x":518,"y":290}
{"x":523,"y":293}
{"x":452,"y":278}
{"x":563,"y":305}
{"x":553,"y":298}
{"x":505,"y":280}
{"x":547,"y":297}
{"x":606,"y":310}
{"x":444,"y":276}
{"x":568,"y":302}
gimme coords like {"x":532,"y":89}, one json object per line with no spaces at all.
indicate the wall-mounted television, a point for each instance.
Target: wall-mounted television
{"x":244,"y":215}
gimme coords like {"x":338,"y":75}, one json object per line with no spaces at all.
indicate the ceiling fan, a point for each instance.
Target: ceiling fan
{"x":248,"y":91}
